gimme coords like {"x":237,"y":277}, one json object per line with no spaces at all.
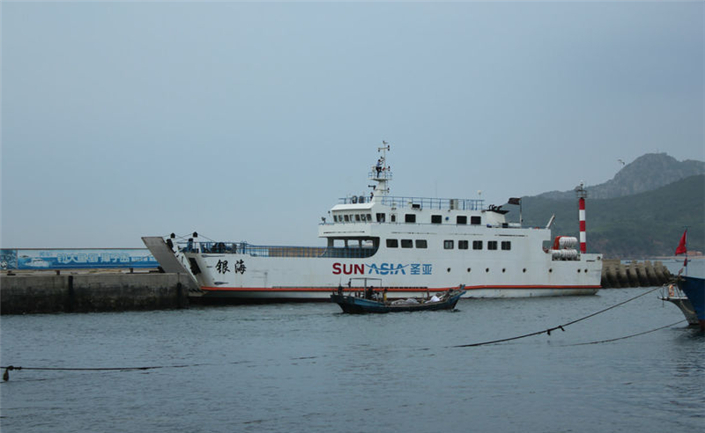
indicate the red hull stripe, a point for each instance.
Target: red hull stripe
{"x":389,"y":289}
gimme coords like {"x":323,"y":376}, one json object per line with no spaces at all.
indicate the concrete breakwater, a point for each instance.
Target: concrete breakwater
{"x":95,"y":292}
{"x":616,"y":274}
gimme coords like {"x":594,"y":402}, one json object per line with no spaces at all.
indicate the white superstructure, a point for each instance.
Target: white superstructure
{"x":412,"y":244}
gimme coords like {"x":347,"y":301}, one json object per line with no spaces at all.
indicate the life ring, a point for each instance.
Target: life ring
{"x":671,"y":291}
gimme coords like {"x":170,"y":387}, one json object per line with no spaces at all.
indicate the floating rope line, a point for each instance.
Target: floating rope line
{"x":8,"y":369}
{"x":626,"y":336}
{"x":561,"y":327}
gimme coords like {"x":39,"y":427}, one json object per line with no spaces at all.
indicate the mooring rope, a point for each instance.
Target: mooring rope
{"x":626,"y":336}
{"x":9,"y":368}
{"x":561,"y":327}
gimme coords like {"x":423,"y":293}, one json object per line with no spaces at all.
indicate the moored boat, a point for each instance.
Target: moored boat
{"x":677,"y":297}
{"x":371,"y":300}
{"x":694,"y":289}
{"x":688,"y":294}
{"x":414,"y":244}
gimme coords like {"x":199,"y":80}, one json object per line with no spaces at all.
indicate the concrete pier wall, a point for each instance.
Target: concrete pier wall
{"x":51,"y":293}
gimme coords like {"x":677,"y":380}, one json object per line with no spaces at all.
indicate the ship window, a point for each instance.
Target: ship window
{"x":421,"y":243}
{"x":394,"y":218}
{"x":392,"y":243}
{"x":369,"y":217}
{"x":462,"y":219}
{"x":347,"y":218}
{"x":491,"y":245}
{"x":447,"y":245}
{"x":475,"y":220}
{"x":410,"y":218}
{"x":357,"y":217}
{"x":462,"y":245}
{"x":407,"y":243}
{"x":436,"y":219}
{"x":506,"y":245}
{"x":364,"y":217}
{"x":476,"y":245}
{"x":380,"y":217}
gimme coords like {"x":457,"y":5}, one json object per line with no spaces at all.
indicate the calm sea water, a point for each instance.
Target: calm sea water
{"x":308,"y":367}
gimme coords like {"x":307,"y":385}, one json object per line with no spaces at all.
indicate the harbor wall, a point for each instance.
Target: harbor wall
{"x":99,"y":292}
{"x":616,"y":274}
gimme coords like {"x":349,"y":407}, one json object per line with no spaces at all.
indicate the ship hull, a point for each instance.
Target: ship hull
{"x":306,"y":294}
{"x":251,"y":278}
{"x":694,"y":289}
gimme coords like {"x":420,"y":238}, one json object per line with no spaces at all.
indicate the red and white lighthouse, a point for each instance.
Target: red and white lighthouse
{"x":582,"y":193}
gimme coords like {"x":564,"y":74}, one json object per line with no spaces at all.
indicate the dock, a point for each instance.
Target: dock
{"x":96,"y":291}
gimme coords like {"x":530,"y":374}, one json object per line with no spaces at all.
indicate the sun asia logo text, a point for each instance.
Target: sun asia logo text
{"x":383,"y":269}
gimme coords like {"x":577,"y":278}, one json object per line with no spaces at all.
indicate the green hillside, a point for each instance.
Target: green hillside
{"x":637,"y":226}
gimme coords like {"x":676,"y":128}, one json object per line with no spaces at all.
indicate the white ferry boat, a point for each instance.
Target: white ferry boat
{"x":413,"y":245}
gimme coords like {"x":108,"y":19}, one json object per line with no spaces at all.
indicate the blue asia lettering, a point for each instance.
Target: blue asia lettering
{"x":387,"y":269}
{"x":383,"y":269}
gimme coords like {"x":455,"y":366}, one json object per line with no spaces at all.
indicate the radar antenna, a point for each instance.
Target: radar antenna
{"x":381,"y":173}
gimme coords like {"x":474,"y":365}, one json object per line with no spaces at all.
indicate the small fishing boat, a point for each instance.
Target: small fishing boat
{"x":374,"y":300}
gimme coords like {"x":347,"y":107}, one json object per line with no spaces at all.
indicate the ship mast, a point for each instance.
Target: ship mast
{"x":381,"y":173}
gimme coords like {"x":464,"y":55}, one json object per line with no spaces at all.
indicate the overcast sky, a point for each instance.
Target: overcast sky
{"x":247,"y":121}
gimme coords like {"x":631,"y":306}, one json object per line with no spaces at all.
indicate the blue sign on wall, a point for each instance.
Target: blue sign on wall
{"x":31,"y":259}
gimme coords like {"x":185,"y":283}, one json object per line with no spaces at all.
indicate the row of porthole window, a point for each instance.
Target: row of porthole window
{"x":523,"y":270}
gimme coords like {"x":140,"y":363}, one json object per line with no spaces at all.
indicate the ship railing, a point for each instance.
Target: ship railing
{"x":421,"y":202}
{"x":276,"y":251}
{"x":380,"y":175}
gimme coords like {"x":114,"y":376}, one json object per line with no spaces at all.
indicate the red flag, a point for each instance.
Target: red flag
{"x":681,"y":245}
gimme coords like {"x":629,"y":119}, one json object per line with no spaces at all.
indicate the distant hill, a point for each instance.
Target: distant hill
{"x":646,"y":173}
{"x":636,"y":226}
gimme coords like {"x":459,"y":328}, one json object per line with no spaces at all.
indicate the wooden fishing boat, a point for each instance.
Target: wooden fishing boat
{"x":369,"y":301}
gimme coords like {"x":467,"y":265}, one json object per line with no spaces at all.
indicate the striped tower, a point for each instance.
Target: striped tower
{"x":582,"y":193}
{"x":581,"y":216}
